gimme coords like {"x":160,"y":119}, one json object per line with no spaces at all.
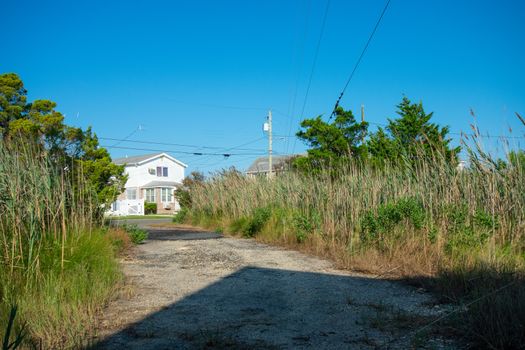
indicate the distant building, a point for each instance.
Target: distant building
{"x":279,"y":164}
{"x":152,"y":178}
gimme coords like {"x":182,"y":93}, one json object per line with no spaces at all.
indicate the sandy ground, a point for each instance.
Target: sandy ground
{"x":188,"y":290}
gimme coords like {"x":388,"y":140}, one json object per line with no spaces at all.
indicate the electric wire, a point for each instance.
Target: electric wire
{"x":360,"y":58}
{"x":314,"y":64}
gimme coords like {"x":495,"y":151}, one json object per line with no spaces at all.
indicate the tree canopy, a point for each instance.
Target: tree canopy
{"x":410,"y":137}
{"x":72,"y":148}
{"x":331,"y":143}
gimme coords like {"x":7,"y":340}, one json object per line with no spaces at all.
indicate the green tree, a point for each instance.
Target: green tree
{"x":331,"y":144}
{"x":13,"y":101}
{"x":70,"y":148}
{"x":183,"y":193}
{"x":410,"y":137}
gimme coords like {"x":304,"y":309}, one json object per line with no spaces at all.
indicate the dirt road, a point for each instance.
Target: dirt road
{"x":194,"y":289}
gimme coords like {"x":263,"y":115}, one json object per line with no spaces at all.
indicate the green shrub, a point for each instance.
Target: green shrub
{"x":376,"y":228}
{"x":181,"y":216}
{"x":239,"y":225}
{"x":304,"y":226}
{"x":257,"y":221}
{"x":467,"y":232}
{"x":136,"y":234}
{"x":150,"y":208}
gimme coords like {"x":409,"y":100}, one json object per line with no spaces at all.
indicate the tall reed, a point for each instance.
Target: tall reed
{"x":461,"y":232}
{"x":55,"y":262}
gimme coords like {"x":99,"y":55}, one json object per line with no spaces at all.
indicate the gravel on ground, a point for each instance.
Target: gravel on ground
{"x":189,"y":289}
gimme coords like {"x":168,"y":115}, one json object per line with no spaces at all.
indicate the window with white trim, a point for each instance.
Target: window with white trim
{"x":149,"y":195}
{"x":162,"y":171}
{"x":166,"y":195}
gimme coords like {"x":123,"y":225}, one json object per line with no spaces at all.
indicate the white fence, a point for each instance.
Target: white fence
{"x":127,"y":207}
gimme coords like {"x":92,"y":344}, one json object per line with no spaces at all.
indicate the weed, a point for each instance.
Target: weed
{"x":376,"y":228}
{"x":181,"y":216}
{"x":136,"y":234}
{"x":257,"y":221}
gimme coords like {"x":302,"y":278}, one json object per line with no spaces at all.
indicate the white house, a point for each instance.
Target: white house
{"x":152,"y":178}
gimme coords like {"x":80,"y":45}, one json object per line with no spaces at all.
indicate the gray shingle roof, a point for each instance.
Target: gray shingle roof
{"x":134,"y":159}
{"x":260,"y":165}
{"x":157,"y":183}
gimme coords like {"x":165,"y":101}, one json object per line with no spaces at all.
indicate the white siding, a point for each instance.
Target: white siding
{"x":138,"y":175}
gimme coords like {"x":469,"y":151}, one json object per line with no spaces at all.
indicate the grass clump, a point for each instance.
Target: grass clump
{"x":136,"y":234}
{"x":180,"y":216}
{"x":56,"y":264}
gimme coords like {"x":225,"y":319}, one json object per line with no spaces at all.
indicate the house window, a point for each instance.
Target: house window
{"x":166,"y":195}
{"x":149,"y":195}
{"x":162,"y":171}
{"x":131,"y":193}
{"x":114,"y":206}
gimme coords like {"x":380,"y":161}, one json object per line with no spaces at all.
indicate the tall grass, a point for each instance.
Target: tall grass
{"x":458,"y":232}
{"x":56,"y":263}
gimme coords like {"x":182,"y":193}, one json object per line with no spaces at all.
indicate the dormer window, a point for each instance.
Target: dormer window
{"x":162,"y":171}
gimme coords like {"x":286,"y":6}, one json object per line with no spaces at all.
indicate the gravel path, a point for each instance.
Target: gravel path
{"x":189,"y":289}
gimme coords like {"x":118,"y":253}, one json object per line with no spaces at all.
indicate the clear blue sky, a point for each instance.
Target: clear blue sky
{"x":175,"y":66}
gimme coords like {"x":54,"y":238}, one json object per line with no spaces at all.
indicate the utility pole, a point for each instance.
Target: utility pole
{"x":270,"y":168}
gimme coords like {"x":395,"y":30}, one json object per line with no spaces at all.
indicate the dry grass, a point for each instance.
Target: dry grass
{"x":429,"y":223}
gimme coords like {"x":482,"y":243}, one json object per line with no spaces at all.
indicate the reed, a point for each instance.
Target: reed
{"x":56,"y":263}
{"x":460,"y":233}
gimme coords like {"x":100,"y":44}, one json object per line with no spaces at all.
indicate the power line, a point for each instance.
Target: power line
{"x":300,"y":58}
{"x":360,"y":58}
{"x":185,"y":152}
{"x":236,"y":147}
{"x":314,"y":63}
{"x":139,"y":128}
{"x":175,"y":144}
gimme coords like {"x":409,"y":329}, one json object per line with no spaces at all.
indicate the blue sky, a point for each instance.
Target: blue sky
{"x":178,"y":68}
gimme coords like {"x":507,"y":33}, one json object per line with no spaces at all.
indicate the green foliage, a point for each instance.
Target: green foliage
{"x":150,"y":208}
{"x":468,"y":231}
{"x":331,"y":143}
{"x":255,"y":224}
{"x":251,"y":226}
{"x":304,"y":225}
{"x":239,"y":225}
{"x":13,"y":101}
{"x":136,"y":234}
{"x":181,"y":216}
{"x":183,"y":193}
{"x":411,"y":137}
{"x":378,"y":226}
{"x":39,"y":124}
{"x":7,"y":344}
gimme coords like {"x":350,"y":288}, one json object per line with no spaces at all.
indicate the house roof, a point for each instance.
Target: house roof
{"x":137,"y":160}
{"x":260,"y":165}
{"x":157,"y":183}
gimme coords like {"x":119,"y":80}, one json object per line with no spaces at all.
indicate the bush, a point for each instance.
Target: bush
{"x":303,"y":226}
{"x":136,"y":234}
{"x":150,"y":208}
{"x":181,"y":216}
{"x":256,"y":223}
{"x":467,"y":231}
{"x":376,"y":228}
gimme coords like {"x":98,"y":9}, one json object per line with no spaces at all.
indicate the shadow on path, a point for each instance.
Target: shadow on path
{"x":256,"y":308}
